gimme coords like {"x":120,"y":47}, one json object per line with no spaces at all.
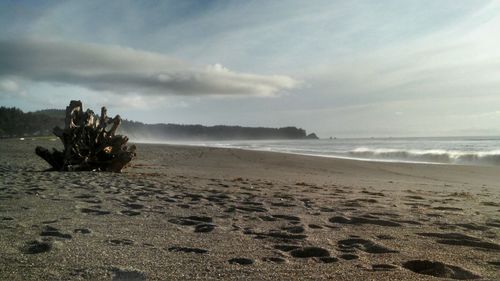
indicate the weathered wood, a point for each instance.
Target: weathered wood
{"x":88,"y":146}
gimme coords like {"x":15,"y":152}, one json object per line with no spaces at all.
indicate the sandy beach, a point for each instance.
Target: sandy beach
{"x":199,"y":213}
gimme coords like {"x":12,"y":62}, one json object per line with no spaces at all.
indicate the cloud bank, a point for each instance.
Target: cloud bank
{"x":124,"y":70}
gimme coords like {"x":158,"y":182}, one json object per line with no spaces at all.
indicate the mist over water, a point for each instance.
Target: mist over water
{"x":442,"y":150}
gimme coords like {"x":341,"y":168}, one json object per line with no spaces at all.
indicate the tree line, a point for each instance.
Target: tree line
{"x":16,"y":123}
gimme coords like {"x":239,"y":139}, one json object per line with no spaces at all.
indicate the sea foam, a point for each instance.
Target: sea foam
{"x":431,"y":156}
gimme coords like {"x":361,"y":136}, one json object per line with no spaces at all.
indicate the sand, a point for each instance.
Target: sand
{"x":197,"y":213}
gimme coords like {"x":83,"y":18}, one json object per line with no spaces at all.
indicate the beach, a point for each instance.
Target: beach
{"x":203,"y":213}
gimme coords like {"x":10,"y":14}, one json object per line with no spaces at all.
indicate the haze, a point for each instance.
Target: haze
{"x":336,"y":68}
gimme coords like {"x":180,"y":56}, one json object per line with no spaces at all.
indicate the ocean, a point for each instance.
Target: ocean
{"x":437,"y":150}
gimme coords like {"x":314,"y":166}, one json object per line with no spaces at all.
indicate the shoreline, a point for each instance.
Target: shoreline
{"x":302,"y":154}
{"x":206,"y":143}
{"x":418,"y":153}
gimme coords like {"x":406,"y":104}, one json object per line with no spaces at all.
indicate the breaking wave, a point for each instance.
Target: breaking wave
{"x":430,"y":156}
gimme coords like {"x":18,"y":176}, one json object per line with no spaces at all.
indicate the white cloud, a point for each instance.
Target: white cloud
{"x":124,"y":70}
{"x":9,"y":86}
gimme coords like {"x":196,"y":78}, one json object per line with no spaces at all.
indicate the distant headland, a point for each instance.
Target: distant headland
{"x":16,"y":123}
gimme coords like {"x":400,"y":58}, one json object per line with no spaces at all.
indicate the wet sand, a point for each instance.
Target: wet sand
{"x":197,"y":213}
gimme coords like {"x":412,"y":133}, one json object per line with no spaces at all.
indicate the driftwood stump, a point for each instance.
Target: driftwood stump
{"x":88,"y":146}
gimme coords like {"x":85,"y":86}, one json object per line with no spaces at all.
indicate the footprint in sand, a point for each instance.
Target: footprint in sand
{"x":241,"y":261}
{"x":323,"y":255}
{"x":285,"y":247}
{"x":82,"y":230}
{"x":187,"y":250}
{"x":287,"y":217}
{"x":218,"y":198}
{"x":495,"y":263}
{"x":315,"y":226}
{"x":309,"y":252}
{"x":50,"y":221}
{"x":133,"y":206}
{"x":206,"y":227}
{"x":275,"y":234}
{"x":92,"y":201}
{"x":283,"y":204}
{"x":268,"y":218}
{"x":384,"y":267}
{"x":84,"y":196}
{"x":202,"y":224}
{"x":492,"y":204}
{"x":294,"y":229}
{"x":120,"y":274}
{"x":385,"y":237}
{"x":363,"y":220}
{"x":349,"y":257}
{"x":274,"y":259}
{"x":80,"y":273}
{"x":415,"y":197}
{"x":95,"y":211}
{"x":34,"y":190}
{"x":248,"y":209}
{"x":473,"y":226}
{"x":493,"y":223}
{"x":327,"y":210}
{"x":36,"y":247}
{"x":121,"y":242}
{"x":459,"y":239}
{"x":380,"y":194}
{"x":439,"y":269}
{"x":130,"y":213}
{"x":445,"y":208}
{"x":191,"y":220}
{"x":364,"y":245}
{"x":54,"y":232}
{"x":328,"y":259}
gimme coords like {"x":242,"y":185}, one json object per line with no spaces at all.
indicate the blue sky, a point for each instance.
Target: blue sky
{"x":338,"y":68}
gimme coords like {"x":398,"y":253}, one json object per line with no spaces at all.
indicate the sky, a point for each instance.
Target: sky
{"x":337,"y":68}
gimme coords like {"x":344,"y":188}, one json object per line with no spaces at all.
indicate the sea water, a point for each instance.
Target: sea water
{"x":444,"y":150}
